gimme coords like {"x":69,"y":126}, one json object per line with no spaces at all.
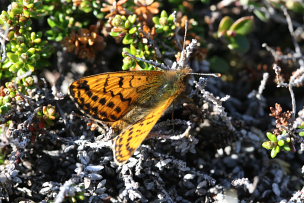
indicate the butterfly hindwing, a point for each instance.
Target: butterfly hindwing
{"x":108,"y":97}
{"x":126,"y":143}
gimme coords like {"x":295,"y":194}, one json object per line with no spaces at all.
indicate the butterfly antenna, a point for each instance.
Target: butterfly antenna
{"x":216,"y":75}
{"x":185,"y":35}
{"x":183,"y":55}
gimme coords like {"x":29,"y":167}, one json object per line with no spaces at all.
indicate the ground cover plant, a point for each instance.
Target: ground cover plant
{"x":238,"y":137}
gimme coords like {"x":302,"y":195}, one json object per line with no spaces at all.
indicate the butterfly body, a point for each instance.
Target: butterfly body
{"x":131,"y":102}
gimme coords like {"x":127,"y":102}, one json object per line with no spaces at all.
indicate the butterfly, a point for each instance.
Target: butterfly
{"x":131,"y":102}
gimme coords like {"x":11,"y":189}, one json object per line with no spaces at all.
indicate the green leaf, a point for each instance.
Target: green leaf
{"x":272,"y":137}
{"x":132,"y":19}
{"x":2,"y":20}
{"x":133,"y":30}
{"x":267,"y":145}
{"x":7,"y":99}
{"x":59,"y":37}
{"x":243,"y":26}
{"x":7,"y":65}
{"x":224,"y":25}
{"x":114,"y":34}
{"x":274,"y":151}
{"x":166,"y":28}
{"x":164,"y":14}
{"x":171,"y":18}
{"x":87,"y":9}
{"x":124,"y":50}
{"x":281,"y":143}
{"x":128,"y":39}
{"x":48,"y":7}
{"x":128,"y":24}
{"x":133,"y":49}
{"x":61,"y":17}
{"x":301,"y":126}
{"x":155,"y":20}
{"x":142,"y":64}
{"x":125,"y":67}
{"x":219,"y":65}
{"x":261,"y":15}
{"x":31,"y":50}
{"x":128,"y":61}
{"x":301,"y":133}
{"x":296,"y":6}
{"x":21,"y":72}
{"x":26,"y":13}
{"x":30,"y":67}
{"x":239,"y":43}
{"x":52,"y":23}
{"x":13,"y":57}
{"x":98,"y":15}
{"x":286,"y":147}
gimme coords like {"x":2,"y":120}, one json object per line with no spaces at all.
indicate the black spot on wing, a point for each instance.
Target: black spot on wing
{"x":103,"y":101}
{"x":113,"y":117}
{"x":124,"y":99}
{"x":120,"y":139}
{"x":81,"y":100}
{"x":120,"y":83}
{"x":121,"y":97}
{"x":95,"y":110}
{"x":117,"y":109}
{"x":106,"y":84}
{"x":110,"y":105}
{"x":88,"y":106}
{"x":130,"y":149}
{"x":104,"y":114}
{"x":148,"y":123}
{"x":89,"y":93}
{"x":95,"y":98}
{"x":84,"y":85}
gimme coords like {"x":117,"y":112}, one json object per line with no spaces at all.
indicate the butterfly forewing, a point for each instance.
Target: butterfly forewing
{"x":109,"y":96}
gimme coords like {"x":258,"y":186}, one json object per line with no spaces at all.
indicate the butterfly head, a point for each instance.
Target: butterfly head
{"x":174,"y":82}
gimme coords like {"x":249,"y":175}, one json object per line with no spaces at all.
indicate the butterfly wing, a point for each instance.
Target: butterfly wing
{"x":108,"y":97}
{"x":126,"y":143}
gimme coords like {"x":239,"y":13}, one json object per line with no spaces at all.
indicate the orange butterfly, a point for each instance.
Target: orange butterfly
{"x":131,"y":102}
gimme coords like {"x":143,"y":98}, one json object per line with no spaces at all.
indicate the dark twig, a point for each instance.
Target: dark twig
{"x":217,"y":102}
{"x":293,"y":101}
{"x":262,"y":86}
{"x":277,"y":69}
{"x":298,"y":77}
{"x":186,"y":54}
{"x":301,"y":61}
{"x":280,"y":83}
{"x":293,"y":36}
{"x":276,"y":56}
{"x":3,"y":38}
{"x":153,"y":63}
{"x":152,"y":43}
